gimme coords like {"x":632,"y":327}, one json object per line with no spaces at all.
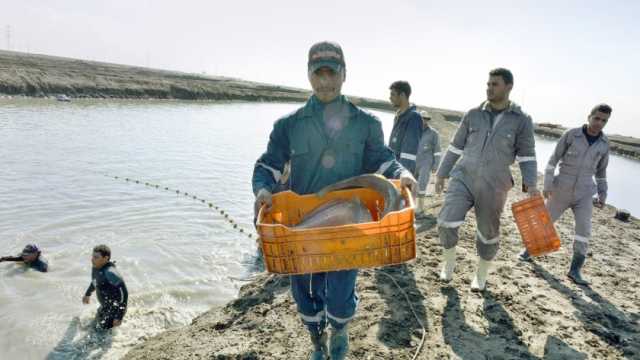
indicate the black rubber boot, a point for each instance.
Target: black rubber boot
{"x":576,"y":265}
{"x":524,"y":255}
{"x":339,"y":344}
{"x":320,"y":350}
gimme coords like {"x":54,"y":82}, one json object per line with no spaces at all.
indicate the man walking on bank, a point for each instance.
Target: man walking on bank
{"x":407,"y":126}
{"x":427,"y":160}
{"x":327,"y":140}
{"x":583,"y":153}
{"x":489,"y":139}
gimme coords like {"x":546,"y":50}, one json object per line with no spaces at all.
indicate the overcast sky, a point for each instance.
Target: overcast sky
{"x":566,"y":55}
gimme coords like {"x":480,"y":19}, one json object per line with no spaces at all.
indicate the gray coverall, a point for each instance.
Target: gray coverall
{"x":428,"y":157}
{"x":488,"y":145}
{"x":573,"y":187}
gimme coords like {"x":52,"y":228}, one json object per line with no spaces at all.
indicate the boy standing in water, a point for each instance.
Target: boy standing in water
{"x":110,"y":288}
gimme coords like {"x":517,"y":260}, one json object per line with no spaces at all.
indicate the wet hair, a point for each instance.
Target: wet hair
{"x":505,"y":74}
{"x":603,"y":108}
{"x":103,"y":250}
{"x":401,"y":86}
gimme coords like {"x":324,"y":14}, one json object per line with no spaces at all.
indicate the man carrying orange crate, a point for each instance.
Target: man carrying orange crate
{"x":488,"y":140}
{"x":582,"y":153}
{"x":327,"y":140}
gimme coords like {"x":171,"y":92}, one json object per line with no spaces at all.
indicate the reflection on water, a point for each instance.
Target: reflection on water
{"x":76,"y":344}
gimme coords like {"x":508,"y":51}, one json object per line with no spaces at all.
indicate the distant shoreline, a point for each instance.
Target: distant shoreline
{"x":42,"y":76}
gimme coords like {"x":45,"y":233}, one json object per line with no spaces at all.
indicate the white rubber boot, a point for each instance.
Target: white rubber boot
{"x":449,"y":264}
{"x":480,"y":280}
{"x":419,"y":211}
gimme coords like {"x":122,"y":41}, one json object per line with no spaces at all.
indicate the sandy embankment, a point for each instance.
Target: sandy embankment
{"x":47,"y":76}
{"x":531,"y":310}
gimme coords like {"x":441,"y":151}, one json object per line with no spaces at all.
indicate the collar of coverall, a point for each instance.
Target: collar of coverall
{"x":513,"y":107}
{"x":410,"y":108}
{"x":313,"y":104}
{"x":602,"y":136}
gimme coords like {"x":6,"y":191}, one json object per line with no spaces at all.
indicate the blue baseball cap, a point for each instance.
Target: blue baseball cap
{"x":326,"y":53}
{"x":30,"y":249}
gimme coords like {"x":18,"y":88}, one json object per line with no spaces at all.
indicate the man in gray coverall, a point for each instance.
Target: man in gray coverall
{"x":489,"y":138}
{"x":427,"y":159}
{"x":583,"y":153}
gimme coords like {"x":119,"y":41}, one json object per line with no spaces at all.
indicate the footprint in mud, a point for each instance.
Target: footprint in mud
{"x":399,"y":326}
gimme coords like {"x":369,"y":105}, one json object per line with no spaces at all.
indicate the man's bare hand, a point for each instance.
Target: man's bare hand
{"x":407,"y":180}
{"x":262,"y":198}
{"x":533,"y":192}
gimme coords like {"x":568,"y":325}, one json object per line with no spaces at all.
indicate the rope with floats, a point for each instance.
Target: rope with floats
{"x":211,"y":205}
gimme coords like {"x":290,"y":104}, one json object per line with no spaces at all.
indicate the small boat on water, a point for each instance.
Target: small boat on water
{"x":63,"y":97}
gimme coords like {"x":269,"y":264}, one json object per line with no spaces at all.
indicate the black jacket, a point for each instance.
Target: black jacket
{"x":40,"y":264}
{"x":111,"y":290}
{"x":405,"y":137}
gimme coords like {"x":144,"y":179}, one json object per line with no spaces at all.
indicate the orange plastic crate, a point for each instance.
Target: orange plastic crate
{"x":536,"y":228}
{"x":286,"y":250}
